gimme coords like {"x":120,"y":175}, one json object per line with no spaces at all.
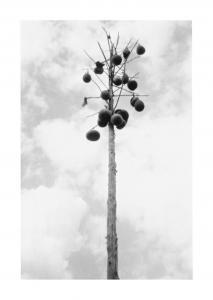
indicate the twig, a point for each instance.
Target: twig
{"x":134,"y":76}
{"x":92,"y":115}
{"x":120,"y":91}
{"x":95,"y":97}
{"x":106,"y":60}
{"x":118,"y":37}
{"x":96,"y":85}
{"x":99,"y":78}
{"x":101,"y":81}
{"x":126,"y":60}
{"x":112,"y":45}
{"x":125,"y":90}
{"x":108,"y":37}
{"x":120,"y":68}
{"x":103,"y":54}
{"x":89,"y":56}
{"x":93,"y":127}
{"x":115,"y":90}
{"x":134,"y":58}
{"x":104,"y":29}
{"x":143,"y":95}
{"x":131,"y":95}
{"x":129,"y":42}
{"x":133,"y":47}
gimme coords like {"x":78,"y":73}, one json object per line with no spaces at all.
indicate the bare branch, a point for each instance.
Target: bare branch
{"x":96,"y":85}
{"x":118,"y":37}
{"x":89,"y":56}
{"x":108,"y":37}
{"x":129,"y":42}
{"x":126,"y":60}
{"x":94,"y":127}
{"x":133,"y":47}
{"x":106,"y":60}
{"x":92,"y":115}
{"x":144,"y":95}
{"x":103,"y":54}
{"x":115,"y":90}
{"x":134,"y":76}
{"x":134,"y":58}
{"x":104,"y":29}
{"x":120,"y":90}
{"x":97,"y":97}
{"x":101,"y":81}
{"x":120,"y":68}
{"x":99,"y":78}
{"x":113,"y":46}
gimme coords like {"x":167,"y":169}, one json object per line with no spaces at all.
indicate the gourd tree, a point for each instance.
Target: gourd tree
{"x":115,"y":83}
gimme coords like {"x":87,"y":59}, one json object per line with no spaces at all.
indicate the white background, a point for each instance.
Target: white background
{"x":12,"y":287}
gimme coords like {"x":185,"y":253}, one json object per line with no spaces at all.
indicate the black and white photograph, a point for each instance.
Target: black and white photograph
{"x":106,"y":149}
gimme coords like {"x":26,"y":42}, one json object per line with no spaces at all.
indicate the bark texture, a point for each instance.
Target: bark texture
{"x":112,"y":241}
{"x":112,"y":248}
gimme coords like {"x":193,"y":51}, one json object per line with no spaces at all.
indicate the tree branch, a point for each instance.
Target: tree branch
{"x":103,"y":54}
{"x":89,"y":56}
{"x":99,"y":78}
{"x":126,"y":60}
{"x":96,"y":85}
{"x":134,"y":76}
{"x":144,"y":95}
{"x":120,"y":90}
{"x":118,"y":37}
{"x":108,"y":37}
{"x":92,"y":115}
{"x":98,"y":97}
{"x":134,"y":58}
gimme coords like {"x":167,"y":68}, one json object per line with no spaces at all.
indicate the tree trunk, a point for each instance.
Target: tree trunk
{"x":112,"y":262}
{"x":112,"y":248}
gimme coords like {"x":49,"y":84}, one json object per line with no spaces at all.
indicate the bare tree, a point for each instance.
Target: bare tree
{"x":114,"y":70}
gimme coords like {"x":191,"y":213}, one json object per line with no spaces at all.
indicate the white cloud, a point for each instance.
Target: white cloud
{"x":35,"y":40}
{"x":95,"y":231}
{"x":154,"y":170}
{"x":33,"y":98}
{"x":65,"y":143}
{"x":50,"y":231}
{"x":27,"y":144}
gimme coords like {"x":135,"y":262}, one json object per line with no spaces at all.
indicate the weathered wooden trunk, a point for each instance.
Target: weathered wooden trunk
{"x":112,"y":247}
{"x":112,"y":241}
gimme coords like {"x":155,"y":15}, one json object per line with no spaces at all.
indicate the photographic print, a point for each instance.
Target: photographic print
{"x":106,"y":150}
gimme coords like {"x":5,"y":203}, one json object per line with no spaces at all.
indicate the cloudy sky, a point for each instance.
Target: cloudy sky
{"x":64,"y":176}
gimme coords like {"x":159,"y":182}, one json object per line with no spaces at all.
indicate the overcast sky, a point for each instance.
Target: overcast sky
{"x":64,"y":176}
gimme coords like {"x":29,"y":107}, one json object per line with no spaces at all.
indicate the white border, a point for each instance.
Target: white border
{"x":11,"y":286}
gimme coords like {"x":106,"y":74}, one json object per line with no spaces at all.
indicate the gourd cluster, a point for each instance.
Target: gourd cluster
{"x":117,"y":117}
